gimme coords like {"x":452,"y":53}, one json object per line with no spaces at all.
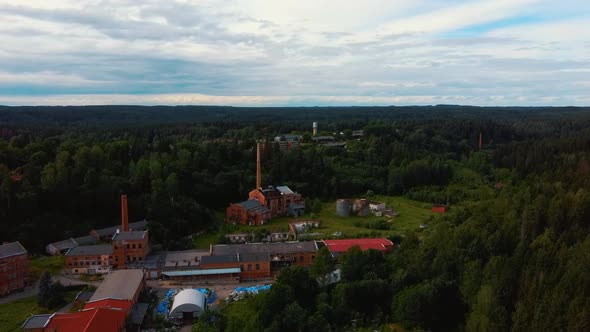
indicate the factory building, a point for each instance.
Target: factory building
{"x":272,"y":202}
{"x":250,"y":212}
{"x":288,"y":141}
{"x":14,"y":267}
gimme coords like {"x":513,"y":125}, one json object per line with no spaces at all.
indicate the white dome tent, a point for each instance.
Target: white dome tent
{"x":187,"y":302}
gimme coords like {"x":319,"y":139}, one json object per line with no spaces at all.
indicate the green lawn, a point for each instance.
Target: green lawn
{"x":53,"y":264}
{"x":14,"y":314}
{"x":411,"y":215}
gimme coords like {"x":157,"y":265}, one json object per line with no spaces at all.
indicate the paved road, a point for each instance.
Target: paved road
{"x":28,"y":292}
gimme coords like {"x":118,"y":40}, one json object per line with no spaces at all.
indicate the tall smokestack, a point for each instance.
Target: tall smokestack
{"x":124,"y":214}
{"x":480,"y":140}
{"x":315,"y":128}
{"x":258,"y":169}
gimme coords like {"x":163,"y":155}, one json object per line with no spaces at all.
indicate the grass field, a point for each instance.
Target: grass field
{"x":53,"y":264}
{"x":14,"y":314}
{"x":412,"y":214}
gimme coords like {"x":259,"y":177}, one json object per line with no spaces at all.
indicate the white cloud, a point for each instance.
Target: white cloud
{"x":306,"y":51}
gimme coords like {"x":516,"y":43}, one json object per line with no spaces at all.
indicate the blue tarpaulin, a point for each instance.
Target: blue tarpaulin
{"x":209,"y":294}
{"x":253,"y":289}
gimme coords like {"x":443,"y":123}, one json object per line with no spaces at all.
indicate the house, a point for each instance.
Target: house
{"x":95,"y":259}
{"x":338,"y":247}
{"x":250,"y":212}
{"x":14,"y":267}
{"x":60,"y":247}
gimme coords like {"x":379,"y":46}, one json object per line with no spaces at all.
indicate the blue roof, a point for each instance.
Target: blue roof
{"x":201,"y":272}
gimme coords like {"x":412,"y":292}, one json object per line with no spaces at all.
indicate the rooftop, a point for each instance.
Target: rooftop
{"x":64,"y":244}
{"x":201,"y":272}
{"x":340,"y":246}
{"x":131,"y":235}
{"x":251,"y":204}
{"x":12,"y":249}
{"x":137,"y":313}
{"x":94,"y":250}
{"x":36,"y":321}
{"x":270,"y":248}
{"x":285,"y":190}
{"x":219,"y":259}
{"x":110,"y":231}
{"x":121,"y":284}
{"x":85,"y":240}
{"x":255,"y":257}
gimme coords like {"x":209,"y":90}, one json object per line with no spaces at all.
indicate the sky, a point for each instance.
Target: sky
{"x":295,"y":52}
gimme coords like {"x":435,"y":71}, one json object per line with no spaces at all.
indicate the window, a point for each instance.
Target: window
{"x":301,"y":259}
{"x":76,"y":270}
{"x":257,"y":267}
{"x":140,"y":259}
{"x":128,"y":258}
{"x":249,"y":267}
{"x":242,"y":267}
{"x":312,"y":258}
{"x":133,"y":246}
{"x":127,"y":245}
{"x":139,"y":245}
{"x":134,"y":258}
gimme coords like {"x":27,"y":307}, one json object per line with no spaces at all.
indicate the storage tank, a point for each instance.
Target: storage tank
{"x":343,"y":208}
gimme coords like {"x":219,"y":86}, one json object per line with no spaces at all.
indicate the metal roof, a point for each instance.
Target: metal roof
{"x":109,"y":231}
{"x":131,"y":235}
{"x":340,"y":246}
{"x":201,"y":272}
{"x":254,"y":257}
{"x":188,"y":300}
{"x":12,"y":249}
{"x":121,"y":284}
{"x":271,"y":248}
{"x":219,"y":259}
{"x":98,"y":249}
{"x":251,"y":204}
{"x":86,"y":240}
{"x":36,"y":321}
{"x":285,"y":190}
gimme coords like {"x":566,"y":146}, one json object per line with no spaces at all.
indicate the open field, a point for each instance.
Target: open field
{"x":13,"y":314}
{"x":411,"y":215}
{"x":53,"y":264}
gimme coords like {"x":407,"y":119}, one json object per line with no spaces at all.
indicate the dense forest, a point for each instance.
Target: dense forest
{"x":512,"y":254}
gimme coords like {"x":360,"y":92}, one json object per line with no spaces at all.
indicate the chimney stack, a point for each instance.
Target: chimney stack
{"x":480,"y":140}
{"x":124,"y":214}
{"x":315,"y":129}
{"x":258,"y":169}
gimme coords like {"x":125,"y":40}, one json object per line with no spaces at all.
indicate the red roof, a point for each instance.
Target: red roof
{"x":109,"y":303}
{"x":93,"y":320}
{"x":340,"y":246}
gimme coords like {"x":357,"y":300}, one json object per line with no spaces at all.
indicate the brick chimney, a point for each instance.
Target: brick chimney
{"x":124,"y":214}
{"x":258,"y":169}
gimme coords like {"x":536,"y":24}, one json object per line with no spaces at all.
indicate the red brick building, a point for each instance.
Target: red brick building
{"x":129,"y":247}
{"x":338,"y":247}
{"x":250,"y":212}
{"x":280,"y":200}
{"x":94,"y":259}
{"x":14,"y":267}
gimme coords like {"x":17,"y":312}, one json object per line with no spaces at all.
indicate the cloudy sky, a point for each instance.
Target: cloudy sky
{"x":295,"y":52}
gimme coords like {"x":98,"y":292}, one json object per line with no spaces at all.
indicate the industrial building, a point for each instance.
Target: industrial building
{"x":112,"y":308}
{"x":338,"y":247}
{"x":250,"y":212}
{"x":127,"y":247}
{"x":95,"y":259}
{"x":272,"y":202}
{"x":14,"y":267}
{"x":288,"y":141}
